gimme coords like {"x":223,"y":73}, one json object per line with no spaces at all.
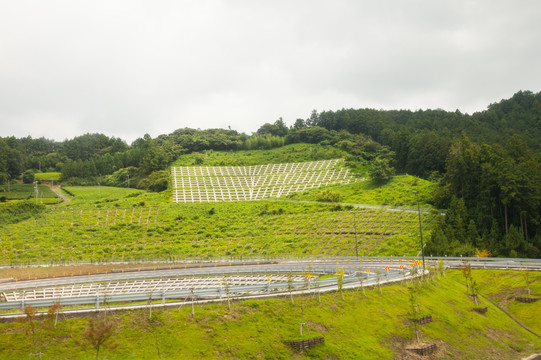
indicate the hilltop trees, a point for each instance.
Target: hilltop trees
{"x":381,"y":171}
{"x":278,"y":128}
{"x":490,"y":190}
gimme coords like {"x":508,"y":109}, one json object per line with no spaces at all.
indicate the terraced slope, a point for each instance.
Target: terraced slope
{"x":254,"y":230}
{"x":242,"y":183}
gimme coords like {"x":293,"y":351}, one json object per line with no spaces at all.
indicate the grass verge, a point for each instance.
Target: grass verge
{"x":358,"y":327}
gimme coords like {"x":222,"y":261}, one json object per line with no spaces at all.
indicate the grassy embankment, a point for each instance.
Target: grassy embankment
{"x":359,"y":327}
{"x":501,"y":287}
{"x":111,"y":224}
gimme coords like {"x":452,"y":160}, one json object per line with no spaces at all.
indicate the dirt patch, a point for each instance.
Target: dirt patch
{"x":442,"y":351}
{"x":317,"y":327}
{"x":31,"y":273}
{"x":233,"y":315}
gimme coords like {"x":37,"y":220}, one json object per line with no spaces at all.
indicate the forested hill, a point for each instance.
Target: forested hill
{"x":520,"y":115}
{"x":421,"y":139}
{"x":487,"y":164}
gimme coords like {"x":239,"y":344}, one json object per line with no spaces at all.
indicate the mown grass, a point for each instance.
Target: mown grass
{"x":359,"y":327}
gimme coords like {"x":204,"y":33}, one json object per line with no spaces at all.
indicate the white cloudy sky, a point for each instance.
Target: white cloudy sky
{"x":125,"y":68}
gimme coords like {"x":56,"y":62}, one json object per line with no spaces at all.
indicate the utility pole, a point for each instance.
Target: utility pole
{"x":36,"y":190}
{"x":420,"y":231}
{"x":356,"y":243}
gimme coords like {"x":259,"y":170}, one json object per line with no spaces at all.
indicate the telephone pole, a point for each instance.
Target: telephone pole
{"x":36,"y":190}
{"x":420,"y":230}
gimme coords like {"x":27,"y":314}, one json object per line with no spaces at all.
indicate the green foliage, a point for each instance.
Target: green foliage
{"x":157,"y":181}
{"x":16,"y":211}
{"x":278,"y":128}
{"x":28,"y":177}
{"x":122,"y":177}
{"x":500,"y":192}
{"x":501,"y":286}
{"x":328,"y":195}
{"x":498,"y":180}
{"x":381,"y":171}
{"x":90,"y":195}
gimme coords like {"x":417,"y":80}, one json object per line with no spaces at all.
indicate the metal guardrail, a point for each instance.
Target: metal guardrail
{"x":195,"y":262}
{"x":350,"y":265}
{"x":329,"y":267}
{"x":219,"y":292}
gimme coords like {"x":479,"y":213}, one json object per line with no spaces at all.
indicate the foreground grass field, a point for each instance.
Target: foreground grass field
{"x":502,"y":287}
{"x":374,"y":326}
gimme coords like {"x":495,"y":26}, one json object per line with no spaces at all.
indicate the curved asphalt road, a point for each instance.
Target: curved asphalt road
{"x":349,"y":266}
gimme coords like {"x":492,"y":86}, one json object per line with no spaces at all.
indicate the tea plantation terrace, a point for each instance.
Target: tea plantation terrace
{"x":242,"y":183}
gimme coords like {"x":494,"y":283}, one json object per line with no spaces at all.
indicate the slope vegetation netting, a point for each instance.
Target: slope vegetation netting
{"x":225,"y":230}
{"x":241,"y":183}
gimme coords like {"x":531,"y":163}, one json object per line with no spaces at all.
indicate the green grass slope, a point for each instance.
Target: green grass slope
{"x":399,"y":191}
{"x":502,"y":287}
{"x":103,"y":224}
{"x":142,"y":226}
{"x":285,"y":154}
{"x":358,"y":327}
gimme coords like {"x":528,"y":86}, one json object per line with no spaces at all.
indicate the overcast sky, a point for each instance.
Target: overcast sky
{"x":125,"y":68}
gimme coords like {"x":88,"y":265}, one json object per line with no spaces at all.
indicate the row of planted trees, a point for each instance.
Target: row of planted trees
{"x":98,"y":334}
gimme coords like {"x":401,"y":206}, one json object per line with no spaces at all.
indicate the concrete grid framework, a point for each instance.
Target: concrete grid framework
{"x":244,"y":183}
{"x":144,"y":286}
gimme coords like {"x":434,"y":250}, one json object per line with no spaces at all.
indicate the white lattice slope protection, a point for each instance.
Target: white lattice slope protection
{"x":241,"y":183}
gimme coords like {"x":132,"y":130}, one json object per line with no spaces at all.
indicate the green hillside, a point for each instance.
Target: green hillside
{"x":375,"y":326}
{"x":285,"y":154}
{"x":399,"y":191}
{"x":103,"y":224}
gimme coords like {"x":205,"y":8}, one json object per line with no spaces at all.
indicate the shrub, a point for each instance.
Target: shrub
{"x":328,"y":196}
{"x":28,"y":177}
